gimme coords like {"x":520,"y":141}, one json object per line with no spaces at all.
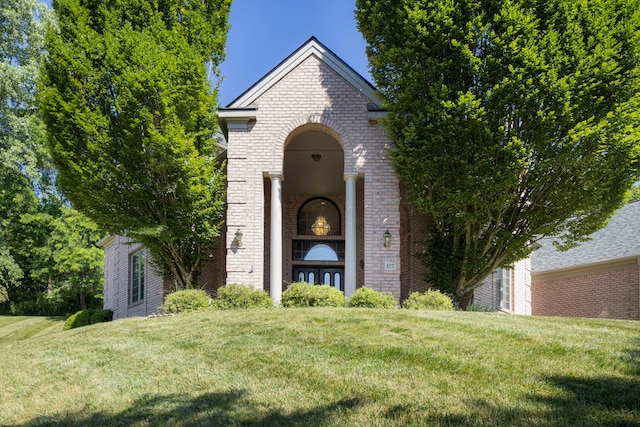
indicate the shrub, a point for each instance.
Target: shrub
{"x":430,"y":300}
{"x":100,"y":316}
{"x":303,"y":294}
{"x":241,"y":296}
{"x":185,"y":301}
{"x":87,"y":317}
{"x":370,"y":298}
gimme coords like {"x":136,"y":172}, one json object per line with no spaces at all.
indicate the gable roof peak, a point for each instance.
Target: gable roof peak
{"x":311,"y":47}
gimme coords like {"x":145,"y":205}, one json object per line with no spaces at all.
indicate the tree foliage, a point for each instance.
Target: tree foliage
{"x":130,"y":114}
{"x":511,"y":120}
{"x":21,"y":42}
{"x":68,"y":260}
{"x":634,"y":193}
{"x":48,"y":263}
{"x":25,"y":169}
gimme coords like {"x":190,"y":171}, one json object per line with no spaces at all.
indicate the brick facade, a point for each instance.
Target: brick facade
{"x":608,"y":290}
{"x":117,"y":271}
{"x":311,"y":93}
{"x":117,"y":253}
{"x":598,"y":278}
{"x":312,"y":97}
{"x":520,"y":300}
{"x":414,"y":232}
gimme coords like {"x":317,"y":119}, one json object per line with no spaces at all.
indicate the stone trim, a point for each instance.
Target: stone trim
{"x":311,"y":122}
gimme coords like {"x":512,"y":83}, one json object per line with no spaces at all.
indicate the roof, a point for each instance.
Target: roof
{"x":619,"y":239}
{"x":308,"y":48}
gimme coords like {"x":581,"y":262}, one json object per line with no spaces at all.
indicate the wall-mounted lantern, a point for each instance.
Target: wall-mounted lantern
{"x":387,"y":239}
{"x":239,"y":238}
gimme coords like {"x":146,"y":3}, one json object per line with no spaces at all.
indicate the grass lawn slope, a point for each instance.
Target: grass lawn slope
{"x":329,"y":367}
{"x":15,"y":328}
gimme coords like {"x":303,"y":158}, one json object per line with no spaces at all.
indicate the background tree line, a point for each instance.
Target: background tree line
{"x":48,"y":261}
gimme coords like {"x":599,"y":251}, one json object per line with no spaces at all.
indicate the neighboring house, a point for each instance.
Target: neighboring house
{"x":311,"y":196}
{"x":599,"y":278}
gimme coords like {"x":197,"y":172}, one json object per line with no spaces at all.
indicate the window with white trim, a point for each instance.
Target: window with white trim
{"x":136,"y":280}
{"x":502,"y":279}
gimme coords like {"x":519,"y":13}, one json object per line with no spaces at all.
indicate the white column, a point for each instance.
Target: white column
{"x":350,"y":235}
{"x":276,"y":237}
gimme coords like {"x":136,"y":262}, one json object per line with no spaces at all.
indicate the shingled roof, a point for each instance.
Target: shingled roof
{"x":619,"y":239}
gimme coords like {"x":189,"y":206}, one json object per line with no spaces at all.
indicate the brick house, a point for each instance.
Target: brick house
{"x":311,"y":196}
{"x":599,"y":278}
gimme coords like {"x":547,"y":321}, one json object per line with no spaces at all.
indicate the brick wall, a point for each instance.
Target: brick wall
{"x":116,"y":281}
{"x":612,"y":292}
{"x":488,"y":294}
{"x":212,"y":274}
{"x":521,"y":292}
{"x":117,"y":254}
{"x":312,"y":97}
{"x":414,"y":233}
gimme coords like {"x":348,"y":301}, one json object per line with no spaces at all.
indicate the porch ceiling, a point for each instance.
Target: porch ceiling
{"x":305,"y":175}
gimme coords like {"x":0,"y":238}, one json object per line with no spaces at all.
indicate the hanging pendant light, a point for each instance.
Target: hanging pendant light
{"x":321,"y":227}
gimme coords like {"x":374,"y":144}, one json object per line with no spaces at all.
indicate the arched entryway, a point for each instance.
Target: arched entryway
{"x":317,"y":254}
{"x":313,"y":194}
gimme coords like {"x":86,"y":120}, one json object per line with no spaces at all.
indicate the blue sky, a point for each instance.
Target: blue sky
{"x":264,"y":32}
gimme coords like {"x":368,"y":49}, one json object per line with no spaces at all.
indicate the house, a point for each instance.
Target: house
{"x":312,"y":196}
{"x":507,"y":290}
{"x":599,"y":278}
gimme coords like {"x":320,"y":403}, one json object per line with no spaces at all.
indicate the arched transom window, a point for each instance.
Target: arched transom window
{"x":319,"y":217}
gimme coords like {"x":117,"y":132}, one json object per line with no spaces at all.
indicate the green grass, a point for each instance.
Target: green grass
{"x":325,"y":367}
{"x":16,"y":328}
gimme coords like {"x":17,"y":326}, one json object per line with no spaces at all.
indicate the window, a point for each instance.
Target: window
{"x":317,"y":250}
{"x":327,"y":279}
{"x":503,"y":282}
{"x":136,"y":282}
{"x":319,"y":217}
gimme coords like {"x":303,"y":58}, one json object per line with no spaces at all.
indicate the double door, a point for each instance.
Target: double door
{"x":331,"y":276}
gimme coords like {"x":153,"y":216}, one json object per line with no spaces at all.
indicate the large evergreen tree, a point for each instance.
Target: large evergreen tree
{"x":511,"y":120}
{"x":130,"y":114}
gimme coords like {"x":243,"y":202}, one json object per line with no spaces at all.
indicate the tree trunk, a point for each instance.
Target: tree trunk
{"x":83,"y":301}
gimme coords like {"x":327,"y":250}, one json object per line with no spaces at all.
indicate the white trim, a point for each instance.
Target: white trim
{"x":312,"y":47}
{"x":134,"y":262}
{"x":238,"y":118}
{"x":106,"y":241}
{"x":350,"y":250}
{"x":275,"y":283}
{"x":238,"y":114}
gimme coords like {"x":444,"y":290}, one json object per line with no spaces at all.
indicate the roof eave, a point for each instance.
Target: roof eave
{"x":310,"y":47}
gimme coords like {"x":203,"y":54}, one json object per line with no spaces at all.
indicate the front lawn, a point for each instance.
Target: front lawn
{"x":326,"y":367}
